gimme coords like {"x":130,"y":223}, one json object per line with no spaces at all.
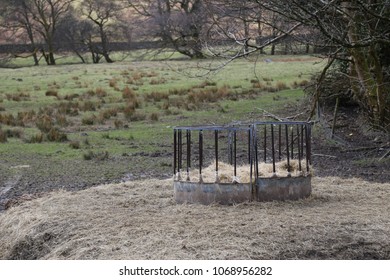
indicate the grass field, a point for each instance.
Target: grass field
{"x":116,"y":120}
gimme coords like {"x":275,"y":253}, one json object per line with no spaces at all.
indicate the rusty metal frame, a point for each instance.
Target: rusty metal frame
{"x":296,"y":135}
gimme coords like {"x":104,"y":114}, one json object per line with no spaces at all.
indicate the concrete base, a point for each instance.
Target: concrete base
{"x":286,"y":188}
{"x":265,"y":189}
{"x":208,"y":193}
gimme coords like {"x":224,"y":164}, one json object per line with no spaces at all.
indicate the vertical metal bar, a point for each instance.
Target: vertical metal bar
{"x":249,"y":145}
{"x":189,"y":148}
{"x":230,"y":147}
{"x":180,"y":150}
{"x":256,"y":151}
{"x":309,"y":146}
{"x":265,"y":143}
{"x":235,"y":153}
{"x":174,"y":151}
{"x":302,"y":132}
{"x":200,"y":154}
{"x":292,"y":142}
{"x":188,"y":138}
{"x":288,"y":150}
{"x":273,"y":149}
{"x":216,"y":155}
{"x":280,"y":142}
{"x":299,"y":149}
{"x":250,"y":131}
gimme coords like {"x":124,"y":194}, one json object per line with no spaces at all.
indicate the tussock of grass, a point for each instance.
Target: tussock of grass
{"x":226,"y":172}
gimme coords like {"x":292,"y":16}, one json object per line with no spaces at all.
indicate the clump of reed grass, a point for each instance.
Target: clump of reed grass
{"x":154,"y":117}
{"x":88,"y":120}
{"x":91,"y":155}
{"x":3,"y":136}
{"x":51,"y":92}
{"x":75,"y":144}
{"x":55,"y":135}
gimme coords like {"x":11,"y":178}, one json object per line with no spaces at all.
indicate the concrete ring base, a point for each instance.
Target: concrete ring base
{"x":208,"y":193}
{"x":284,"y":188}
{"x":265,"y":189}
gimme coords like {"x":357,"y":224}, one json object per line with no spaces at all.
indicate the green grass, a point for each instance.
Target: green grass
{"x":88,"y":104}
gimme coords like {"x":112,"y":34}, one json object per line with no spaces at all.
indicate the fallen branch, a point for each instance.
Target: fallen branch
{"x":360,"y":149}
{"x":322,"y":155}
{"x":270,"y":115}
{"x":385,"y":155}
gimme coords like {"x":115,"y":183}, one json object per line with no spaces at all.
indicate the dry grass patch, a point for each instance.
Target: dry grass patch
{"x":343,"y":219}
{"x":226,"y":172}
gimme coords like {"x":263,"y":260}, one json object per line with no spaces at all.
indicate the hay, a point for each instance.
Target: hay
{"x":343,"y":219}
{"x":226,"y":172}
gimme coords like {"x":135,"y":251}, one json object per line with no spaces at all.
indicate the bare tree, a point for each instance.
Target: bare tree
{"x":354,"y":31}
{"x":76,"y":34}
{"x":103,"y":15}
{"x":47,"y":15}
{"x":178,"y":24}
{"x":18,"y":20}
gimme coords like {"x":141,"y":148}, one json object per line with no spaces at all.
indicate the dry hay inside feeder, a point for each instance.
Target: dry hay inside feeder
{"x":226,"y":172}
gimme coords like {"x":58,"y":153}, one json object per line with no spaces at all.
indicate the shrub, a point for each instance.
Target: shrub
{"x":3,"y":136}
{"x":128,"y":93}
{"x":129,"y":110}
{"x":44,"y":123}
{"x":108,"y":113}
{"x":88,"y":106}
{"x":55,"y":135}
{"x":100,"y":92}
{"x":68,"y":108}
{"x":16,"y":133}
{"x":90,"y":155}
{"x":26,"y":116}
{"x":37,"y":138}
{"x":281,"y":86}
{"x":88,"y":120}
{"x":157,"y":81}
{"x":154,"y":117}
{"x":70,"y":97}
{"x":157,"y":96}
{"x":74,"y":144}
{"x":118,"y":123}
{"x":137,"y":116}
{"x":18,"y":97}
{"x":179,"y":92}
{"x":61,"y":120}
{"x":113,"y":83}
{"x":51,"y":92}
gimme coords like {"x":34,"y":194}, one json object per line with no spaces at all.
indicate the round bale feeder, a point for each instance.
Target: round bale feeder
{"x":263,"y":161}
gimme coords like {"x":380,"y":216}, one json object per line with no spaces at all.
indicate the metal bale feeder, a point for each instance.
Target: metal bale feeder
{"x":261,"y":161}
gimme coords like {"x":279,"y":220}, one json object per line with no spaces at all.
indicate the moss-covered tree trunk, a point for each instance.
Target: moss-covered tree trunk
{"x":366,"y":66}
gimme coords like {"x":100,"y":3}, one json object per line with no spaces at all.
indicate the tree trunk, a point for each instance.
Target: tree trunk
{"x":105,"y":52}
{"x":367,"y":66}
{"x":52,"y":60}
